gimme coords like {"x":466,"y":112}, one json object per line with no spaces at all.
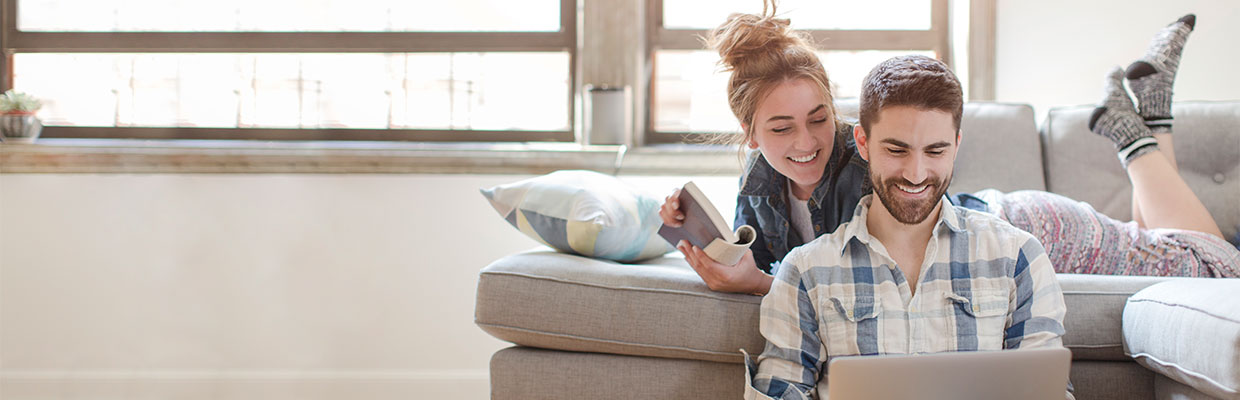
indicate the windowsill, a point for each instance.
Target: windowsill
{"x":239,"y":156}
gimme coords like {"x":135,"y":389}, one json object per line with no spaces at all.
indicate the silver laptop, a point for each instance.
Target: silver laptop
{"x":1040,"y":374}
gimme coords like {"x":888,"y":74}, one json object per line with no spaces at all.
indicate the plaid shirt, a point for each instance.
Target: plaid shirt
{"x":985,"y":285}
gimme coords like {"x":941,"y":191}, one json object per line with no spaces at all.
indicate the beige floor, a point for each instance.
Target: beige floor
{"x":168,"y":386}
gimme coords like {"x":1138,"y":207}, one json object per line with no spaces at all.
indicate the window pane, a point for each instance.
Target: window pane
{"x":805,"y":14}
{"x":289,"y":15}
{"x":691,"y":91}
{"x":482,"y":91}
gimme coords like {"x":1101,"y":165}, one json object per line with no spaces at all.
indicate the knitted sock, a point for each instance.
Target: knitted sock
{"x":1152,"y":76}
{"x":1117,"y":119}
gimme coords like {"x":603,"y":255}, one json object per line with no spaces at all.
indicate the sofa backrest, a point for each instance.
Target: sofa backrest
{"x":1083,"y":166}
{"x":999,"y":147}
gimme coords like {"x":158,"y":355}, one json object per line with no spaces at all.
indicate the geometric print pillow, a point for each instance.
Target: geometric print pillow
{"x":585,"y":213}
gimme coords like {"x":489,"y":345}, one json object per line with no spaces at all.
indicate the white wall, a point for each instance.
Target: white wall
{"x":251,"y":286}
{"x":1055,"y":52}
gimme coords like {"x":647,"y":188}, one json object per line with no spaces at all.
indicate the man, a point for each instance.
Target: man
{"x":910,"y":273}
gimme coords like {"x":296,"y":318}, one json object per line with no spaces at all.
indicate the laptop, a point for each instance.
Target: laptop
{"x":1036,"y":374}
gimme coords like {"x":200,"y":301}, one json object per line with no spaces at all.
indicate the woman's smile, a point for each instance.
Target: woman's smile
{"x":805,"y":159}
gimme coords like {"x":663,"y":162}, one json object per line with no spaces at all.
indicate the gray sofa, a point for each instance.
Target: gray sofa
{"x":594,"y":329}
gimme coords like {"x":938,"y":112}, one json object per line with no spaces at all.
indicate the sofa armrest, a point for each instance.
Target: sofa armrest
{"x":1189,"y":331}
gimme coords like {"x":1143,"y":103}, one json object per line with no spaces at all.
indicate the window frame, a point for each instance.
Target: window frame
{"x":13,"y":41}
{"x":936,"y":39}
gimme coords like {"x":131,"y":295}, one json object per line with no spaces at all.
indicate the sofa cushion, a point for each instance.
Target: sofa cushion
{"x":1083,"y":166}
{"x":661,"y":308}
{"x":1093,"y":322}
{"x":1188,"y":330}
{"x":999,"y":148}
{"x":583,"y":212}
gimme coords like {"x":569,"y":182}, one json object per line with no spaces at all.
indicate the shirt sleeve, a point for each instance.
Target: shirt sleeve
{"x":1037,"y":321}
{"x":790,"y":365}
{"x":1037,"y":318}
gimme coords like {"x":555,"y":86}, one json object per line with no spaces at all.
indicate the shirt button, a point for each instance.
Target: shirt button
{"x":1219,"y":178}
{"x":976,"y":308}
{"x":818,"y":227}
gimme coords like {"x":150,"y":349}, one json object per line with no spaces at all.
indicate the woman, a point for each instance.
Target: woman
{"x":806,"y":176}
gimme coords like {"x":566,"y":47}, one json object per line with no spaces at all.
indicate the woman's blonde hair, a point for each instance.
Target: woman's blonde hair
{"x":762,"y":51}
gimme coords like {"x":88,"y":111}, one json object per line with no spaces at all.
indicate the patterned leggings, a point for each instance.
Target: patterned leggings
{"x":1080,"y":240}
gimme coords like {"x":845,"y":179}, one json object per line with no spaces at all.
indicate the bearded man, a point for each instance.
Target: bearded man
{"x":910,"y":273}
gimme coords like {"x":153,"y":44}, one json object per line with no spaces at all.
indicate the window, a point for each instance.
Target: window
{"x":688,"y":89}
{"x":466,"y":70}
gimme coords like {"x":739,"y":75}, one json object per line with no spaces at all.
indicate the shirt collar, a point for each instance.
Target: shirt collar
{"x":858,"y":230}
{"x":949,"y":216}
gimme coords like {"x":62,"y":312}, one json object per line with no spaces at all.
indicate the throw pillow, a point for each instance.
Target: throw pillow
{"x":585,"y":213}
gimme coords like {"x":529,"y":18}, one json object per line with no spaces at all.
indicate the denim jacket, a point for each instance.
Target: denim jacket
{"x":763,"y":204}
{"x":763,"y":199}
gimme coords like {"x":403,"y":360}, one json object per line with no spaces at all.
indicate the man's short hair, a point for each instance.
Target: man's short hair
{"x":916,"y":81}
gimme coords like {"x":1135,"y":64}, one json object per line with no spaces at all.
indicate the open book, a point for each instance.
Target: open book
{"x":705,"y":228}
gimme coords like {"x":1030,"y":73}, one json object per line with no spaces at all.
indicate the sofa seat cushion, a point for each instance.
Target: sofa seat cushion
{"x":1093,"y":322}
{"x":1189,"y":331}
{"x":661,"y":308}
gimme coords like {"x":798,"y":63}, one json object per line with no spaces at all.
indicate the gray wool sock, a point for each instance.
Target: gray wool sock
{"x":1152,"y":76}
{"x":1116,"y":119}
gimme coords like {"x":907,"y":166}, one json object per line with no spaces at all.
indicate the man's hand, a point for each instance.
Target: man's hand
{"x":744,"y":277}
{"x":670,"y":211}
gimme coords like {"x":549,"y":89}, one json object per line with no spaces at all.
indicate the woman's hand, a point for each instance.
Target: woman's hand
{"x":670,"y":211}
{"x":744,"y":277}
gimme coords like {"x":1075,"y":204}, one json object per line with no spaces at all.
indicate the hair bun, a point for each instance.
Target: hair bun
{"x":748,"y":37}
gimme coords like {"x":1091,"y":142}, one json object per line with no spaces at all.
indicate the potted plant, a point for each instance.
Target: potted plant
{"x":17,"y":120}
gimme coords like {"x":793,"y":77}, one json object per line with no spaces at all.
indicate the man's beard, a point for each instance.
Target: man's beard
{"x":909,"y":212}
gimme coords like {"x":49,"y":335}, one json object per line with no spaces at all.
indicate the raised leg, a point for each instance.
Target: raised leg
{"x":1151,"y":79}
{"x":1165,"y":200}
{"x":1167,"y":149}
{"x":1162,"y":198}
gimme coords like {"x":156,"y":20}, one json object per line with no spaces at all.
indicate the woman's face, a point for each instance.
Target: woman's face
{"x":794,"y":131}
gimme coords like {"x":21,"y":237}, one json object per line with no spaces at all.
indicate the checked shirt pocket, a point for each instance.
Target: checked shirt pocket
{"x":851,"y":324}
{"x":982,"y":313}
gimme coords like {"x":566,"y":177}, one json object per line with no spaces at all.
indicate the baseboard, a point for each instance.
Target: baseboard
{"x":243,"y":384}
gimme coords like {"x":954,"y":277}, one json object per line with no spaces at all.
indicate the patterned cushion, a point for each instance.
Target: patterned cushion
{"x":585,"y":213}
